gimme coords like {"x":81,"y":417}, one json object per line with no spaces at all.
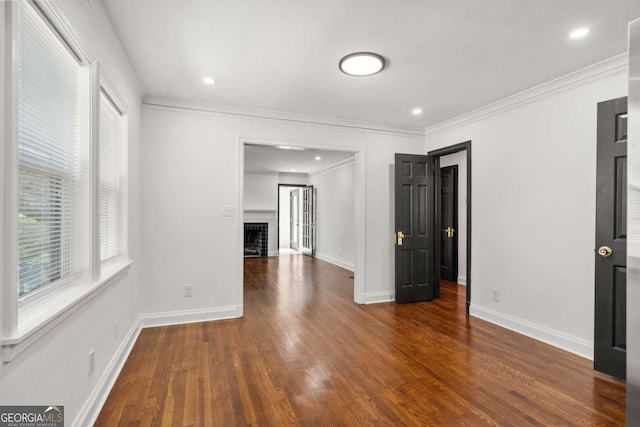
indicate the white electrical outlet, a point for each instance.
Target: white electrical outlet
{"x":92,"y":360}
{"x":495,"y":294}
{"x":188,"y":290}
{"x":227,"y":210}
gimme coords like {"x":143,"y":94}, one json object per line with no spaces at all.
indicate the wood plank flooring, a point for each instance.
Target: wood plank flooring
{"x":305,"y":354}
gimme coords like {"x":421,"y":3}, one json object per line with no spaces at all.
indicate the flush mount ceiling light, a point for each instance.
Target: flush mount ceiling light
{"x":208,"y":80}
{"x":362,"y":64}
{"x":579,"y":33}
{"x":416,"y":111}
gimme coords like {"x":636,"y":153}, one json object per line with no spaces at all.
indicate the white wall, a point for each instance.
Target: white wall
{"x":460,"y":159}
{"x":335,"y":214}
{"x":55,"y":368}
{"x":293,"y":178}
{"x":533,"y":202}
{"x":261,"y":191}
{"x":205,"y":170}
{"x":284,"y":212}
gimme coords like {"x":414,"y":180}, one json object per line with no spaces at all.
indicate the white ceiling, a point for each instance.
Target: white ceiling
{"x":446,"y":56}
{"x":265,"y":158}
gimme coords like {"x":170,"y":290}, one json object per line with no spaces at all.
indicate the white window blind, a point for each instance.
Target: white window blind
{"x":49,"y":158}
{"x":111,"y":146}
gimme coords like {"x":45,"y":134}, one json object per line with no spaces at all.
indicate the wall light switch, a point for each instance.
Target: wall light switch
{"x":227,"y":210}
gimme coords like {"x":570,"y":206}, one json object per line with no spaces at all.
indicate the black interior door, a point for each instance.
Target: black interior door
{"x":449,"y":223}
{"x":610,"y":340}
{"x":414,"y":219}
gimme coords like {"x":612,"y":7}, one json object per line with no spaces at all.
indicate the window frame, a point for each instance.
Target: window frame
{"x":27,"y":320}
{"x":105,"y":89}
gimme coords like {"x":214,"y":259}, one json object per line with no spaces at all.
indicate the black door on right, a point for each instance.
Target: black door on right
{"x":610,"y":339}
{"x":449,"y":223}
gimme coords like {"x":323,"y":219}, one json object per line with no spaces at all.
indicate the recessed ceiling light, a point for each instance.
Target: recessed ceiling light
{"x":208,"y":80}
{"x":578,"y":33}
{"x":318,"y":158}
{"x":362,"y":64}
{"x":416,"y":111}
{"x":293,"y":170}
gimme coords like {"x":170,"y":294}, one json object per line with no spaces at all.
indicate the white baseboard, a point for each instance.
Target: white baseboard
{"x":377,"y":297}
{"x":462,"y":280}
{"x":334,"y":261}
{"x":166,"y":318}
{"x":93,"y":405}
{"x":567,"y":342}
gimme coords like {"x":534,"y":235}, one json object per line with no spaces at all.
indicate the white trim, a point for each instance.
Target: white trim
{"x":333,"y":166}
{"x":462,"y":280}
{"x":8,"y":285}
{"x":75,"y":297}
{"x":559,"y":339}
{"x":342,"y":264}
{"x":169,"y":318}
{"x":60,"y":25}
{"x":611,"y":66}
{"x":378,"y":297}
{"x":360,"y":194}
{"x":238,"y":111}
{"x":96,"y":400}
{"x":239,"y":225}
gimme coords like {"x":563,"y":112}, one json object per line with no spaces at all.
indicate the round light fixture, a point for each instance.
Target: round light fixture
{"x":362,"y":64}
{"x":318,"y":158}
{"x":208,"y":80}
{"x":416,"y":111}
{"x":579,"y":33}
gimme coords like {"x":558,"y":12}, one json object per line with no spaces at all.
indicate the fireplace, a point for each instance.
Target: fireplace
{"x":256,"y":239}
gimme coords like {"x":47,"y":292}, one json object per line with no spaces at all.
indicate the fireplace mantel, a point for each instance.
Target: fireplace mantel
{"x":270,"y":216}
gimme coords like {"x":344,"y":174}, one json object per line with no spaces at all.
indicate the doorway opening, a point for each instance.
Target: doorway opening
{"x":453,"y":241}
{"x":268,"y":166}
{"x":296,"y":219}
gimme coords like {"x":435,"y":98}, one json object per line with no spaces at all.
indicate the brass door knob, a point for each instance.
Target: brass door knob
{"x":450,"y":231}
{"x":399,"y":236}
{"x":605,"y":251}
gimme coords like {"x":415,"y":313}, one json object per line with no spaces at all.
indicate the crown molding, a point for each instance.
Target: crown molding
{"x":257,"y":113}
{"x":608,"y":67}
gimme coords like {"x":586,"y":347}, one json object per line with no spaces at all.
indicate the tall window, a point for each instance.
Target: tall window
{"x":50,"y":156}
{"x":112,"y":128}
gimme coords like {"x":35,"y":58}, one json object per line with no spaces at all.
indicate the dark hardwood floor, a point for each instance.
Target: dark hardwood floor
{"x":305,"y":354}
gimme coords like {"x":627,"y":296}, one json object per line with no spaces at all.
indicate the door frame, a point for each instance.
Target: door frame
{"x":278,"y":213}
{"x":437,"y":154}
{"x":455,"y":217}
